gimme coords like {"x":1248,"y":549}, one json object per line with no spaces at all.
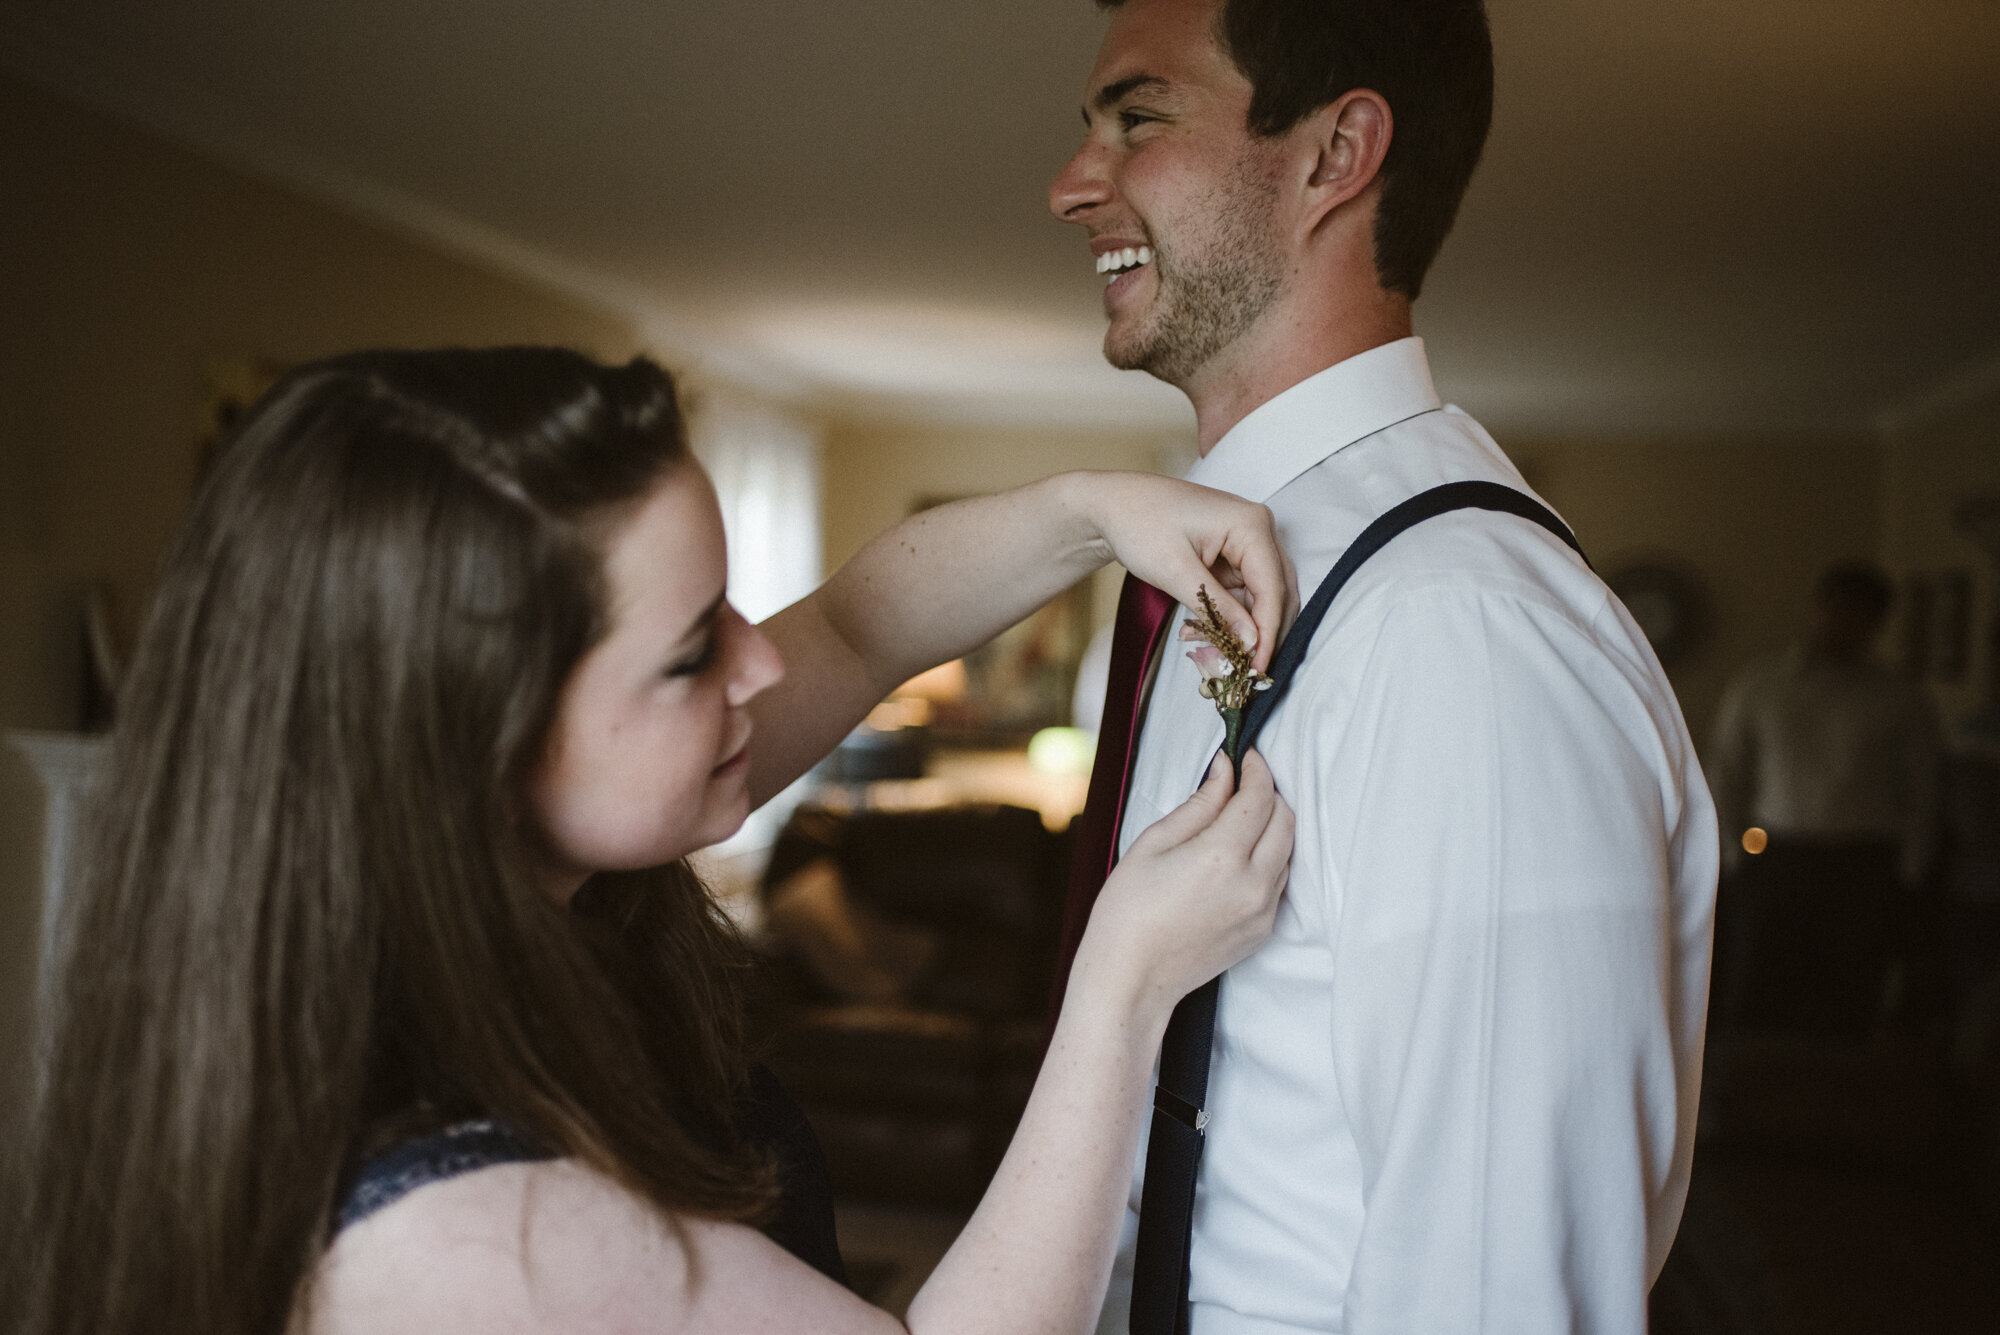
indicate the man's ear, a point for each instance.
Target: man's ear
{"x":1345,"y":141}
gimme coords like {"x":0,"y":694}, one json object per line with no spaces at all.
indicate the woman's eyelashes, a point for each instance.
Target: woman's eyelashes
{"x":701,"y":660}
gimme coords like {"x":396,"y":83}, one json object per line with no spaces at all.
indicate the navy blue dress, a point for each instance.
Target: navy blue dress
{"x":803,"y":1224}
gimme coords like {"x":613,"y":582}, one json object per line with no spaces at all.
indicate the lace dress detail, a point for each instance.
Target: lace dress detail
{"x":803,"y":1223}
{"x":464,"y":1147}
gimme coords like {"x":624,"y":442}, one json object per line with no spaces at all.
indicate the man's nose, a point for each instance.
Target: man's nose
{"x":1080,"y":186}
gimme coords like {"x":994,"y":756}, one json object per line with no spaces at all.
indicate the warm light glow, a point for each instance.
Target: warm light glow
{"x":942,"y":685}
{"x":899,"y":712}
{"x":1062,"y":751}
{"x":1755,"y":840}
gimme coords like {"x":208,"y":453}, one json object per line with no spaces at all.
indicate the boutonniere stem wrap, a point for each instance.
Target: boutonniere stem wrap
{"x":1226,"y":675}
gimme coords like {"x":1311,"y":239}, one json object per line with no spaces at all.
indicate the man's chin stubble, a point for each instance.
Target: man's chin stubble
{"x":1169,"y":345}
{"x":1187,"y":335}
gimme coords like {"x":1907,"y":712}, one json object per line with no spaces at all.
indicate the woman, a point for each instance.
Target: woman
{"x":438,"y":674}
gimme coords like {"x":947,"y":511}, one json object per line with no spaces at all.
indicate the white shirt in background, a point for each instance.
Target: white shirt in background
{"x":1824,"y":749}
{"x":1456,"y":1090}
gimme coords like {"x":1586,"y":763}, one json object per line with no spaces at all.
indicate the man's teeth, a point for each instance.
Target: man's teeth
{"x":1115,"y":262}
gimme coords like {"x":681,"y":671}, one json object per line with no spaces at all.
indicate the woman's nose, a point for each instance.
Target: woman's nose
{"x":758,"y":665}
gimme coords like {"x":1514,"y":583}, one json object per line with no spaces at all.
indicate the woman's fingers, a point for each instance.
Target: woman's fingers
{"x":1199,"y":890}
{"x":1254,"y":786}
{"x":1184,"y":538}
{"x":1241,"y":822}
{"x":1191,"y":577}
{"x":1247,"y":850}
{"x":1260,"y":825}
{"x":1252,"y":586}
{"x":1257,"y":773}
{"x":1272,"y":587}
{"x":1191,"y":817}
{"x":1273,"y":853}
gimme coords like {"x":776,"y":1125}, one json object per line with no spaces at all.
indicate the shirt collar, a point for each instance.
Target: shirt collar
{"x":1284,"y":436}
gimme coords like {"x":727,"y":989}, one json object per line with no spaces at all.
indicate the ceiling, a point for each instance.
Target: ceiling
{"x":1694,"y":216}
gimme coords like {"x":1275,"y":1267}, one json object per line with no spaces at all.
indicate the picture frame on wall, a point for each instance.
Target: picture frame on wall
{"x":1021,"y":680}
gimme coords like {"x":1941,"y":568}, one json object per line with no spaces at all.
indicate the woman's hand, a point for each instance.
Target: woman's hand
{"x":1179,"y":537}
{"x":1197,"y":891}
{"x":1194,"y":894}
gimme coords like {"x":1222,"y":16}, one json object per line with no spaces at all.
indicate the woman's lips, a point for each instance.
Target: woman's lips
{"x":735,"y":765}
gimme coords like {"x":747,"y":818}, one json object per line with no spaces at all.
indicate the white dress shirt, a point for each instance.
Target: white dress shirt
{"x":1456,"y":1090}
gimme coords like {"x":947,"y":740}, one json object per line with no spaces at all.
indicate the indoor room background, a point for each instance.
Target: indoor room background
{"x":1726,"y":289}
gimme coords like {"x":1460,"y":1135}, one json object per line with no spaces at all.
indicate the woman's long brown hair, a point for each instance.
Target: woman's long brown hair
{"x":305,"y":920}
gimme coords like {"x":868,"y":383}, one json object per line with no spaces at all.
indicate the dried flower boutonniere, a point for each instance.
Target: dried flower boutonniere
{"x":1226,"y":675}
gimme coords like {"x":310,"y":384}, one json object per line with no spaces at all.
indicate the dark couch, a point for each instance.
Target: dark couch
{"x":915,"y":1094}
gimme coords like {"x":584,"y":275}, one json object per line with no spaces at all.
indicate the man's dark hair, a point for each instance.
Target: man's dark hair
{"x":1432,"y":60}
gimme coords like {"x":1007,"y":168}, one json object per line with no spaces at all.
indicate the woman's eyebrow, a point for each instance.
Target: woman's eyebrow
{"x":703,"y":619}
{"x":1112,"y":94}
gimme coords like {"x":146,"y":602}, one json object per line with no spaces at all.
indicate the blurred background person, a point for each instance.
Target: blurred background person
{"x":1825,"y":777}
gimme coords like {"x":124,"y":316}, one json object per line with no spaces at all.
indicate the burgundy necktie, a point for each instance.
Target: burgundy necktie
{"x":1143,"y":612}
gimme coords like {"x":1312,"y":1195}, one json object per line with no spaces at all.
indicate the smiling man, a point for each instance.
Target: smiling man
{"x":1456,"y":1090}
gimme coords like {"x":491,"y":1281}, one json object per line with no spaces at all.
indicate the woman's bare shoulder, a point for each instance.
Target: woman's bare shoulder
{"x":557,"y":1246}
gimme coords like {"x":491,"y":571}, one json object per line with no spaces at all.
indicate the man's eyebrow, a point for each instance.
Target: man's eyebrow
{"x":1113,"y":93}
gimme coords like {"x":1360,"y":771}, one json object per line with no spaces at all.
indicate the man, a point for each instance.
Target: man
{"x":1456,"y":1090}
{"x":1833,"y":759}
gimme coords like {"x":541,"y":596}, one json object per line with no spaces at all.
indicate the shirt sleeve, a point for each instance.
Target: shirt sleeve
{"x":1507,"y":1003}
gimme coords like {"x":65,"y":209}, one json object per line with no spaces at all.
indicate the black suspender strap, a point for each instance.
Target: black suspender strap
{"x":1173,"y":1154}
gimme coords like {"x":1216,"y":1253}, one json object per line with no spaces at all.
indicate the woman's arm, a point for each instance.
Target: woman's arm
{"x":947,"y":580}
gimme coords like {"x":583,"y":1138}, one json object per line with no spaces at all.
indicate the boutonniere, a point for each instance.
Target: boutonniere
{"x":1226,"y":675}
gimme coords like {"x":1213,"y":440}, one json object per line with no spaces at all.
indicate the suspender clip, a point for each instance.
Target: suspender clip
{"x":1178,"y":1108}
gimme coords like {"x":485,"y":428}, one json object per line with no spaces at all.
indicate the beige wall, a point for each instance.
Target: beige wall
{"x":126,"y":265}
{"x":1933,"y":465}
